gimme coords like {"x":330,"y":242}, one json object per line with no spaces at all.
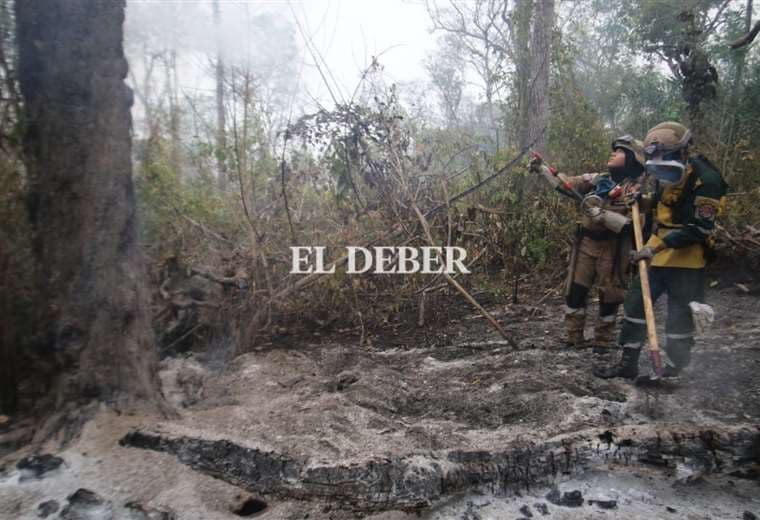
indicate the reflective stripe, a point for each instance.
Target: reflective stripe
{"x":635,"y":320}
{"x":636,"y":345}
{"x":570,"y":310}
{"x":680,"y":336}
{"x":608,"y":318}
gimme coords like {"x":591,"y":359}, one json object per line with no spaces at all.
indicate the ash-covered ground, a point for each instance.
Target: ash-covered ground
{"x":456,"y":401}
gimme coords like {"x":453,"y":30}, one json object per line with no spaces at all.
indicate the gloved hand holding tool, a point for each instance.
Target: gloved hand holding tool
{"x":553,"y":176}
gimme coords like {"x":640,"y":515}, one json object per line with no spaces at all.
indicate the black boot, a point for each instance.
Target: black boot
{"x":628,"y":366}
{"x":671,"y":371}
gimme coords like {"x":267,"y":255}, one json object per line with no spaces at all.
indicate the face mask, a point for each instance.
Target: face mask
{"x":666,"y":169}
{"x":667,"y":172}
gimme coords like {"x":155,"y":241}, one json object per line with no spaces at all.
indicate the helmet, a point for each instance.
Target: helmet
{"x":667,"y":137}
{"x":663,"y":146}
{"x":634,"y":145}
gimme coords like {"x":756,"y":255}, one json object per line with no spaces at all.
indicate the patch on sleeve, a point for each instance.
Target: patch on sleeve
{"x":707,"y":208}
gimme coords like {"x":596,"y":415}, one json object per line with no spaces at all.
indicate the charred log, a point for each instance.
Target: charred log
{"x":417,"y":481}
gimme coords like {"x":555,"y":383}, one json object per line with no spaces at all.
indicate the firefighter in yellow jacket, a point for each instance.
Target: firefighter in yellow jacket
{"x":688,"y":199}
{"x":603,"y":239}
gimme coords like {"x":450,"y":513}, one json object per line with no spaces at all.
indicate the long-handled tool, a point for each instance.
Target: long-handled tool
{"x":565,"y":186}
{"x":653,"y":345}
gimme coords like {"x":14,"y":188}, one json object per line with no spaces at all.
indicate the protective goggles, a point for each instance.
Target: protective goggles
{"x":667,"y":172}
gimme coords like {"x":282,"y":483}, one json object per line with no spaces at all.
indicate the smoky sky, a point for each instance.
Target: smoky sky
{"x":341,"y":36}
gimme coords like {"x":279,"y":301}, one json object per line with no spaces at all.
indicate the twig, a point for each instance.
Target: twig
{"x":204,"y":229}
{"x":488,"y":179}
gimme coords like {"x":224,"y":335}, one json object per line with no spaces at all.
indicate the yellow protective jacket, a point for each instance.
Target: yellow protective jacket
{"x":684,"y":216}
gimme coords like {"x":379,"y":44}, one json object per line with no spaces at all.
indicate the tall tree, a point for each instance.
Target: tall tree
{"x":94,"y":304}
{"x":446,"y":71}
{"x":540,"y":64}
{"x":221,"y":119}
{"x":678,"y":32}
{"x":477,"y":30}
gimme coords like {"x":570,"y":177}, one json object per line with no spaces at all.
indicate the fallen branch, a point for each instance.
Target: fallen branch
{"x":458,"y":287}
{"x":206,"y":231}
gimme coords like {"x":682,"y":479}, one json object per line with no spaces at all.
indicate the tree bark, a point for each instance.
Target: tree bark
{"x":172,"y":88}
{"x":92,"y":295}
{"x":540,"y":58}
{"x":8,"y":343}
{"x":523,"y":12}
{"x":221,"y":132}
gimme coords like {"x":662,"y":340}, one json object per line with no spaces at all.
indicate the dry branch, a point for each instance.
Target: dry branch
{"x":458,"y":287}
{"x":747,"y":38}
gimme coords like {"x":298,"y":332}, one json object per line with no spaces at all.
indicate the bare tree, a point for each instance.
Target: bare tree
{"x":92,"y":296}
{"x":496,"y":35}
{"x":447,"y":75}
{"x":479,"y":32}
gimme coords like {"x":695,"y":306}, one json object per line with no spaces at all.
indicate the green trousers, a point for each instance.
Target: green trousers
{"x":681,"y":286}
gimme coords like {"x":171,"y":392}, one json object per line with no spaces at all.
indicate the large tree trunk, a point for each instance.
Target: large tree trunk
{"x":92,"y":294}
{"x":221,"y":120}
{"x":523,"y":11}
{"x":540,"y":59}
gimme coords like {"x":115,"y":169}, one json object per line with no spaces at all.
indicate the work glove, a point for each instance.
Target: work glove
{"x":645,"y":253}
{"x":611,"y":220}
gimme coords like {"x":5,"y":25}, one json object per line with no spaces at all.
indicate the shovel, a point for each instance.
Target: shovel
{"x":653,"y":345}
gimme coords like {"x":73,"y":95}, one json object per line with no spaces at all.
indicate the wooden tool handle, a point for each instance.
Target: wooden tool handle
{"x":644,"y":276}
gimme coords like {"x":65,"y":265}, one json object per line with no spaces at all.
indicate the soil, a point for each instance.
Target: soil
{"x":408,"y":392}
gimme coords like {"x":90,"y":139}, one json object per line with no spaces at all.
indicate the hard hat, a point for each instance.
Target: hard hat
{"x":666,"y":137}
{"x":634,"y":145}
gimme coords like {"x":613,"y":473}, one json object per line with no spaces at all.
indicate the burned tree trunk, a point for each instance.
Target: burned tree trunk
{"x":94,"y":315}
{"x":417,"y":481}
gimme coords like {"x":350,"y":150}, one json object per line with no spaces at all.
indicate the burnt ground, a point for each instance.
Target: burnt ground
{"x":330,"y":401}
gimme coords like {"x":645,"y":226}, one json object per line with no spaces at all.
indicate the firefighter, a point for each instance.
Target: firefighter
{"x":689,"y":195}
{"x":603,"y":239}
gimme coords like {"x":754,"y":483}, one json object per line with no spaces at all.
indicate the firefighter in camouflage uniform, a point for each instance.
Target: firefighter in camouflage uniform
{"x":603,"y":239}
{"x":688,"y":198}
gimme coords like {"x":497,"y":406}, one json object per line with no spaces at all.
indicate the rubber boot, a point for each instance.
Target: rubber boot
{"x":604,"y":334}
{"x":604,"y":339}
{"x":627,"y":367}
{"x":603,"y":352}
{"x":670,"y":371}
